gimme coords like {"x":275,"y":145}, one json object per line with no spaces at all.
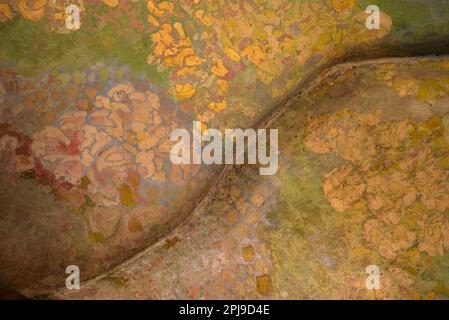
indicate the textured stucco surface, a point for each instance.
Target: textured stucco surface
{"x":85,"y":120}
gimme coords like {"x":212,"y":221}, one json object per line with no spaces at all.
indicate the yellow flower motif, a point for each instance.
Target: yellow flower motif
{"x":222,"y":85}
{"x":165,"y":33}
{"x":167,"y":7}
{"x":254,"y":54}
{"x":32,"y":10}
{"x":164,"y":8}
{"x":184,"y":91}
{"x":179,"y":58}
{"x":193,"y":61}
{"x":180,"y":30}
{"x":219,"y":69}
{"x":234,"y":56}
{"x":163,"y":36}
{"x":173,"y":49}
{"x":110,"y":3}
{"x":342,"y":5}
{"x":154,"y":10}
{"x":218,"y":106}
{"x":205,"y":18}
{"x":152,"y":20}
{"x":5,"y":12}
{"x":186,"y":71}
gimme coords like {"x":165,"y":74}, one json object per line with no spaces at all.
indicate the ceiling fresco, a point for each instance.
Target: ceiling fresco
{"x":91,"y":92}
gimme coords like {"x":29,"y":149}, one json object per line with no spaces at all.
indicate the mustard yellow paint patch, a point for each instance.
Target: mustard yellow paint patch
{"x":264,"y":286}
{"x":248,"y":253}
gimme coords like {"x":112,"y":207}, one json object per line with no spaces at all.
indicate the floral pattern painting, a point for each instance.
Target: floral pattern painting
{"x":86,"y":115}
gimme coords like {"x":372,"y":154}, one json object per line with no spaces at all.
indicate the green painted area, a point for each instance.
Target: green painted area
{"x":304,"y":221}
{"x":33,"y":49}
{"x":414,"y":19}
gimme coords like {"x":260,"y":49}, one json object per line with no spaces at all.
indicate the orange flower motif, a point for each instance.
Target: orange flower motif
{"x":184,"y":91}
{"x":218,"y":106}
{"x":110,"y":3}
{"x":32,"y":10}
{"x":342,"y":5}
{"x":5,"y":12}
{"x":153,"y":21}
{"x":232,"y":54}
{"x":205,"y":18}
{"x":254,"y":54}
{"x":164,"y":8}
{"x":219,"y":68}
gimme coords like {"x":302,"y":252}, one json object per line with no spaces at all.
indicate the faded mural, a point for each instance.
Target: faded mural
{"x":85,"y":123}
